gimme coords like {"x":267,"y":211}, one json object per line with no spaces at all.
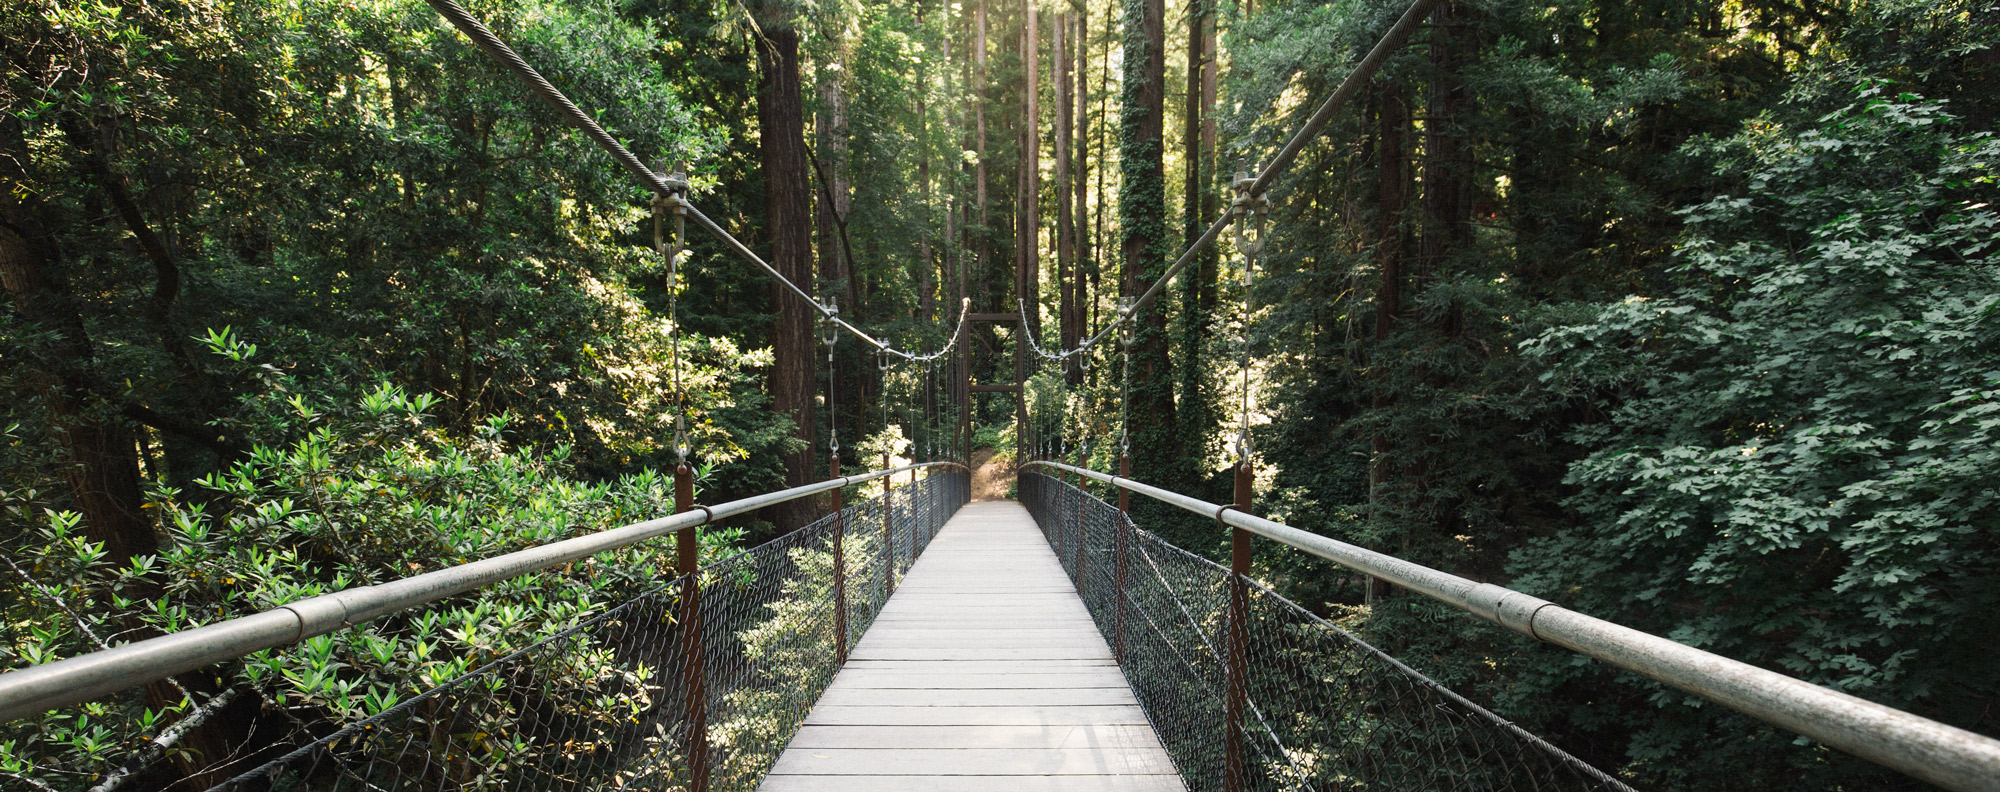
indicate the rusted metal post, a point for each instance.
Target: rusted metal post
{"x":839,"y":566}
{"x":1238,"y":692}
{"x":1077,"y":524}
{"x":888,"y":535}
{"x":1124,"y":514}
{"x":694,"y":678}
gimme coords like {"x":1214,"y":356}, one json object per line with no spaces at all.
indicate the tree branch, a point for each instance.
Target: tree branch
{"x":846,"y":248}
{"x":166,"y":739}
{"x":201,"y":434}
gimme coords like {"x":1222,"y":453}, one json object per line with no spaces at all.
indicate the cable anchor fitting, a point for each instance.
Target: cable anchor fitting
{"x":830,"y":327}
{"x":1256,"y":207}
{"x":1125,"y":322}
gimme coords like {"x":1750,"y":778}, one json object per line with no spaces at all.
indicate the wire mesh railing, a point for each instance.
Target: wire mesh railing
{"x":689,"y":683}
{"x":611,"y":702}
{"x":1324,"y":709}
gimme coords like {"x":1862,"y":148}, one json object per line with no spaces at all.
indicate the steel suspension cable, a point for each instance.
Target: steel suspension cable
{"x":1365,"y":70}
{"x":488,"y":42}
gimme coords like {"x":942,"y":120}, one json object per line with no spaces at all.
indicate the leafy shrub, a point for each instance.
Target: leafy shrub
{"x":365,"y":496}
{"x":1796,"y":467}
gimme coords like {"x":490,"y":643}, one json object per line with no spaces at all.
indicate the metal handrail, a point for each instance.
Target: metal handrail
{"x":1945,"y":755}
{"x":40,"y":688}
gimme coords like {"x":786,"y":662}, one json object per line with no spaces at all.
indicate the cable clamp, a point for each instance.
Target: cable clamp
{"x":1125,"y":309}
{"x":830,"y":311}
{"x":1254,"y":207}
{"x":1244,"y":200}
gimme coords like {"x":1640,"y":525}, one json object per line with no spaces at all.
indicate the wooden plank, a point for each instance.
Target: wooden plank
{"x":976,"y":653}
{"x":957,"y":680}
{"x":1039,"y":736}
{"x":979,"y":697}
{"x":1128,"y":715}
{"x":984,"y":672}
{"x":974,"y":762}
{"x":878,"y":783}
{"x":986,"y":666}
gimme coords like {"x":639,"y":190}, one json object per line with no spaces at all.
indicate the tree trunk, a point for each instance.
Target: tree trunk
{"x":1082,"y":253}
{"x":1447,"y":200}
{"x":1027,"y":215}
{"x":1198,"y":288}
{"x":781,"y":150}
{"x":1066,"y":262}
{"x":1391,"y":122}
{"x":984,"y":234}
{"x":1445,"y":234}
{"x":1156,"y":445}
{"x":1103,"y":152}
{"x":926,"y":269}
{"x":98,"y":450}
{"x":833,"y":208}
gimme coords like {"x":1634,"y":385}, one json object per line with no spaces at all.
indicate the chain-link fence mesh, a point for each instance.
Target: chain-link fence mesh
{"x":1323,"y":710}
{"x":610,"y":703}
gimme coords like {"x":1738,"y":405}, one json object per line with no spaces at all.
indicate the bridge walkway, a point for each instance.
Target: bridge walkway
{"x":983,"y":673}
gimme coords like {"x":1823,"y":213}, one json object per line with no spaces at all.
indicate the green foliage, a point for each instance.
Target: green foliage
{"x":1795,"y":467}
{"x":369,"y":494}
{"x":998,"y":437}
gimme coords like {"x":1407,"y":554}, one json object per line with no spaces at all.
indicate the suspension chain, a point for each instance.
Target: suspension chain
{"x":675,"y":201}
{"x":830,"y":335}
{"x":1125,"y":375}
{"x":1251,"y":209}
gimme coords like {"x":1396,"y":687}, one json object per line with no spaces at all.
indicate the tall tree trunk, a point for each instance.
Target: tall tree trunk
{"x":830,"y":213}
{"x":1197,"y":409}
{"x":1447,"y":199}
{"x":1027,"y":214}
{"x":1103,"y":153}
{"x":926,"y":269}
{"x":954,"y":248}
{"x":1392,"y":120}
{"x":832,"y":209}
{"x":1446,"y":232}
{"x":984,"y":234}
{"x":782,"y":155}
{"x":1142,"y":210}
{"x":1067,"y":279}
{"x":98,"y":451}
{"x":1083,"y":252}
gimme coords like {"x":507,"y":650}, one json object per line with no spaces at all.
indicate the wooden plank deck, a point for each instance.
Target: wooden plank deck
{"x":982,"y":674}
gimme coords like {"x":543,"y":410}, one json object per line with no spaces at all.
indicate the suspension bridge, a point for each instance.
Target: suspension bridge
{"x":912,"y":639}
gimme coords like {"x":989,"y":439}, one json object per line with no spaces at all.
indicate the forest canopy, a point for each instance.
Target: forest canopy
{"x":1682,"y":314}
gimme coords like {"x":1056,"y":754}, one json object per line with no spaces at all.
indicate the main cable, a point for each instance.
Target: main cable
{"x":1397,"y":35}
{"x":484,"y":38}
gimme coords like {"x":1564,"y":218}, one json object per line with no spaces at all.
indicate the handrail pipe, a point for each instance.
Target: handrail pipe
{"x":1941,"y":754}
{"x":61,"y":683}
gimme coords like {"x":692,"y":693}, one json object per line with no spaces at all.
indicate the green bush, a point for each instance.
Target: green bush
{"x":365,"y":496}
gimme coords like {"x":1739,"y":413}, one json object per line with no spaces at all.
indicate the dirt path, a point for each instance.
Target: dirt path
{"x":991,"y":476}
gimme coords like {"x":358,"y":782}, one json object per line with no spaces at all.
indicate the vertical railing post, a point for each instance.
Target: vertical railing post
{"x":694,"y":678}
{"x":839,"y":566}
{"x":888,"y":534}
{"x":1238,"y":692}
{"x":1077,"y":524}
{"x":1124,"y":519}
